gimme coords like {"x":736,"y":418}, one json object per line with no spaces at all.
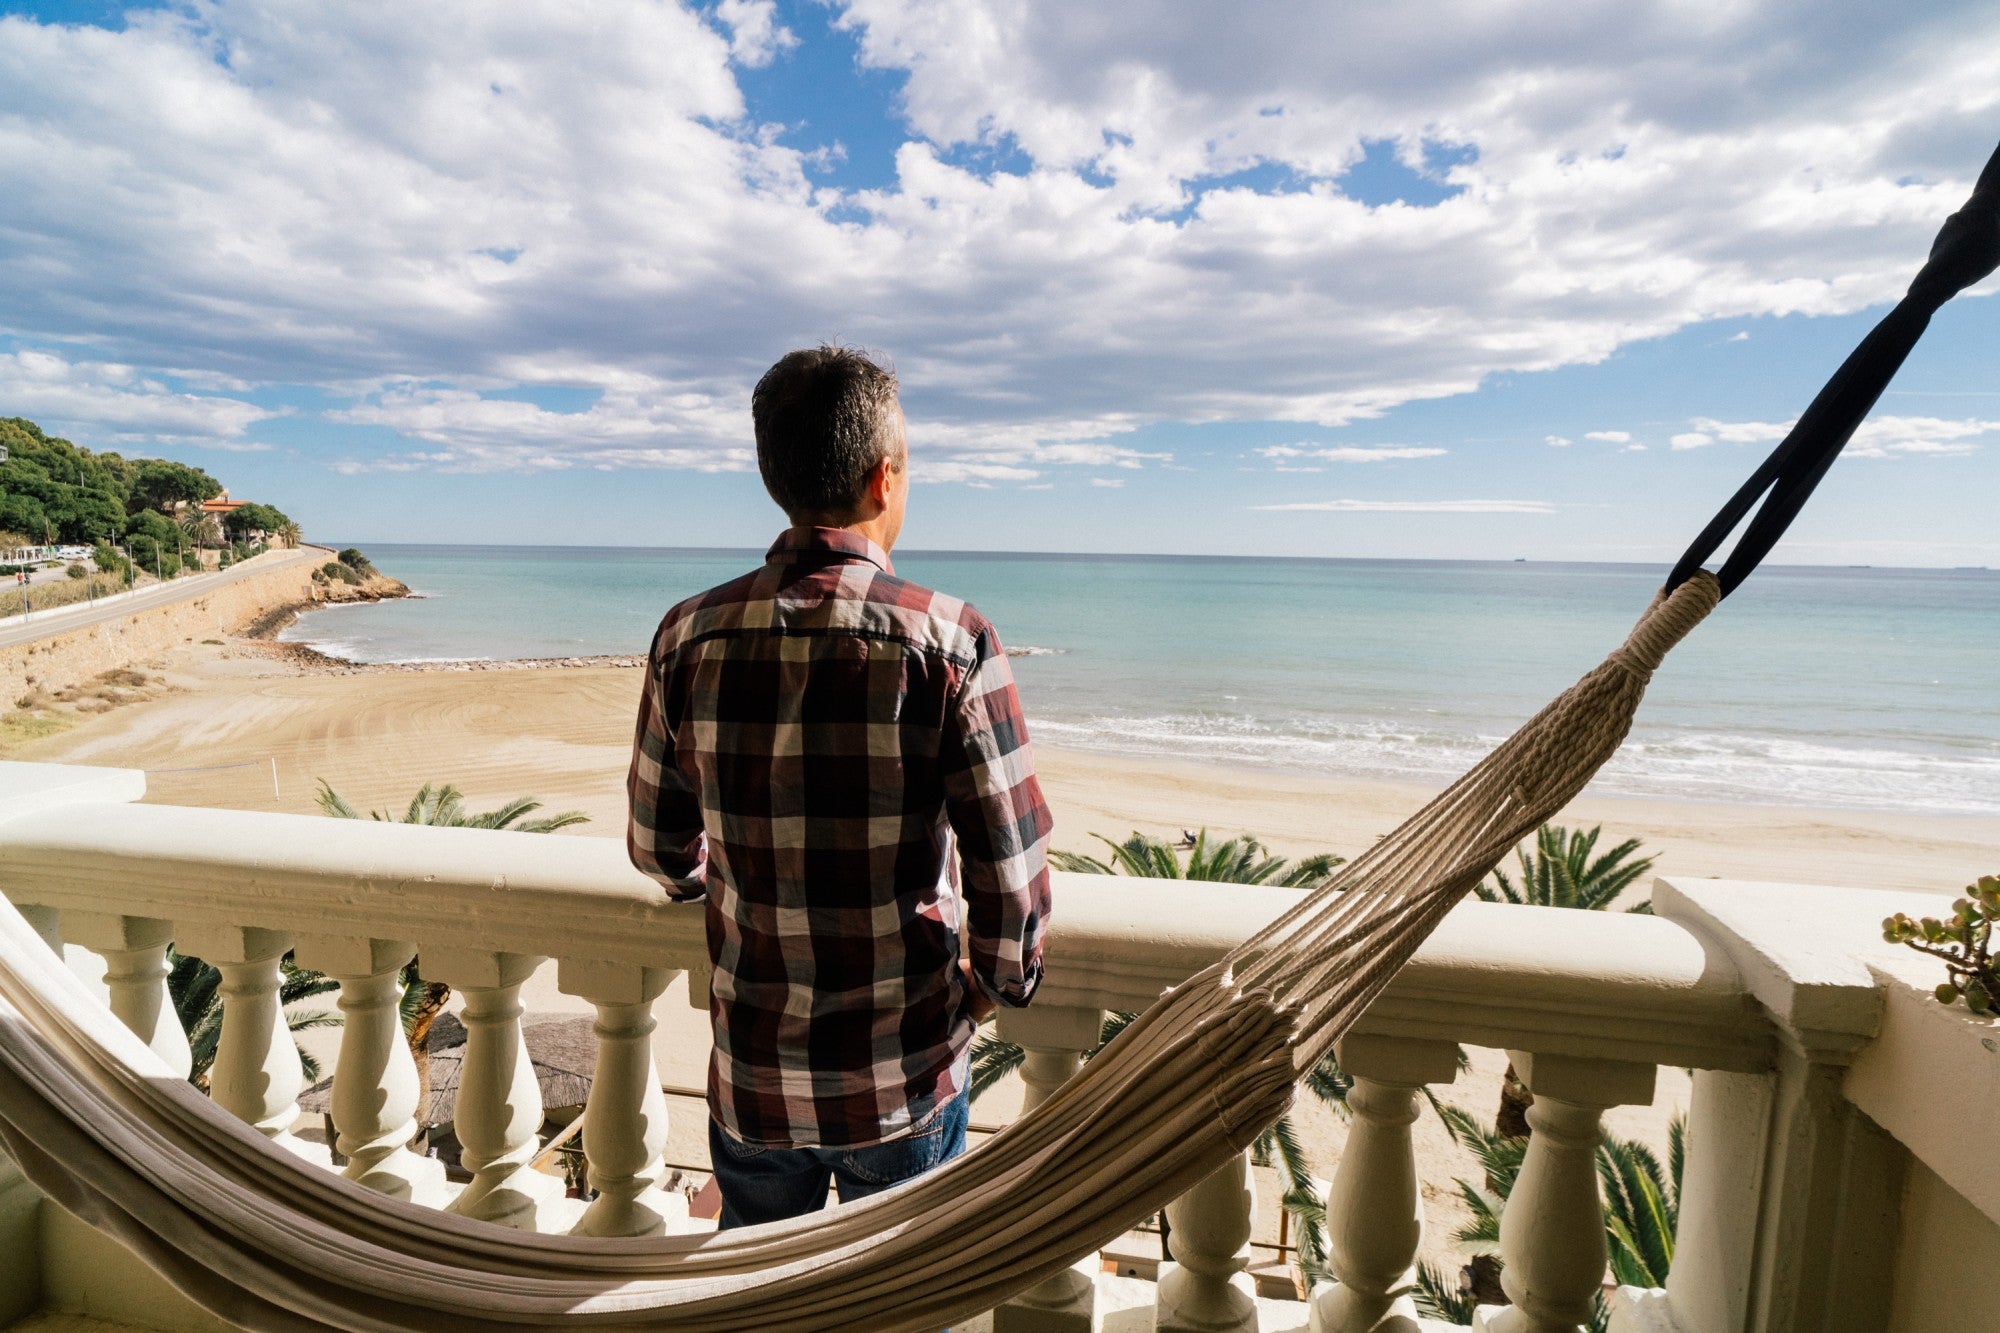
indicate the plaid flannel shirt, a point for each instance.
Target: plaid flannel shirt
{"x":811,"y":737}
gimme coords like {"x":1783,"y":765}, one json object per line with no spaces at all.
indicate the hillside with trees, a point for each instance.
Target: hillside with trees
{"x":55,"y":492}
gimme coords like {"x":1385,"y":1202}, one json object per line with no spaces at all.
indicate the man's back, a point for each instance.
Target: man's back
{"x":812,"y":736}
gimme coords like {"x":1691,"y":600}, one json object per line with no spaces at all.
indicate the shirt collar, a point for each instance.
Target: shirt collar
{"x":796,"y":545}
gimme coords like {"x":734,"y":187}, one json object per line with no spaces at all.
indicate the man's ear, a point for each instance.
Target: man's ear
{"x":881,"y":480}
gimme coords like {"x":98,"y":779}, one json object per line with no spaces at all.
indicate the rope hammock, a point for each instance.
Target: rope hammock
{"x":264,"y":1241}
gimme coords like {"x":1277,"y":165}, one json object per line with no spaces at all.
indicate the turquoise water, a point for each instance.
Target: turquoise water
{"x":1854,"y":687}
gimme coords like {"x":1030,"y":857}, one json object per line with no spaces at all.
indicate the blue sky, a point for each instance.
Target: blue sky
{"x":1475,"y":281}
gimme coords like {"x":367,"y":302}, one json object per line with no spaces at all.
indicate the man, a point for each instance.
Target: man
{"x":813,"y":738}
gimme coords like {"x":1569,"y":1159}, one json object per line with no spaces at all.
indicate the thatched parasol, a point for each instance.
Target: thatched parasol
{"x":563,"y":1048}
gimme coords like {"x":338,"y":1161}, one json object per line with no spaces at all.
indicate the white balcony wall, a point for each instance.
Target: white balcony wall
{"x":1830,"y":1184}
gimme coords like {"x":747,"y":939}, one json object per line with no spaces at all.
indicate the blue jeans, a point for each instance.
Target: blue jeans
{"x":771,"y":1184}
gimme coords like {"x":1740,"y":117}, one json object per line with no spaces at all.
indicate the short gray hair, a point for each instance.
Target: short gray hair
{"x":825,"y":418}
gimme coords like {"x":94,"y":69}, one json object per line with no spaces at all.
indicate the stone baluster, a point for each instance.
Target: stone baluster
{"x":256,"y":1074}
{"x":1374,"y":1215}
{"x":1552,"y":1231}
{"x":1208,"y":1288}
{"x":135,"y":971}
{"x":499,"y":1098}
{"x":375,"y":1087}
{"x":625,"y":1118}
{"x":45,"y":922}
{"x":1054,"y":1041}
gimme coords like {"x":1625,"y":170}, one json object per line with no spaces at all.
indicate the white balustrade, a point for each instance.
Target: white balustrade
{"x":625,"y":1119}
{"x":1208,"y":1288}
{"x":1552,"y":1230}
{"x":1374,"y":1214}
{"x":1703,"y":993}
{"x":375,"y":1087}
{"x":135,"y":972}
{"x":1053,"y":1040}
{"x":256,"y":1073}
{"x":499,"y":1110}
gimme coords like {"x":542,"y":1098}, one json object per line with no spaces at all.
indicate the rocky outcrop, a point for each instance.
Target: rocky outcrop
{"x":372,"y":588}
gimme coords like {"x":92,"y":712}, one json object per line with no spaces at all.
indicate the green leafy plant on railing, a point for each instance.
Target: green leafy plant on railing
{"x":1964,"y":941}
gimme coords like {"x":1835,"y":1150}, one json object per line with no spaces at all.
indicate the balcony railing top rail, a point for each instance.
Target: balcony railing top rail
{"x":1565,"y":982}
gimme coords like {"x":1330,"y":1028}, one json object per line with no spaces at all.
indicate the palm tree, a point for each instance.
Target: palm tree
{"x":195,"y":986}
{"x":201,"y":529}
{"x":1239,"y":860}
{"x":443,"y":805}
{"x":1561,"y":872}
{"x":288,"y":533}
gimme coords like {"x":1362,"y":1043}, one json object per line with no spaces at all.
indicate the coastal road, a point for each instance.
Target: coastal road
{"x":43,"y":624}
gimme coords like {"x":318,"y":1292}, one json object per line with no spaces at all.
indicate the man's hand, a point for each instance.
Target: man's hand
{"x":977,"y":1000}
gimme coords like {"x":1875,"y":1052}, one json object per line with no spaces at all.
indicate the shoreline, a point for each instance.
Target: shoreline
{"x":560,"y":730}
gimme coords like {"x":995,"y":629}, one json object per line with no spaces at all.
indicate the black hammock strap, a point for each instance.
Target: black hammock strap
{"x":1966,"y":250}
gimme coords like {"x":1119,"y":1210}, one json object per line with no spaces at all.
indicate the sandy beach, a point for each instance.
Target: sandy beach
{"x":214,"y":716}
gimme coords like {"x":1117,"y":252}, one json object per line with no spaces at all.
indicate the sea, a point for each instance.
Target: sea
{"x":1866,"y":688}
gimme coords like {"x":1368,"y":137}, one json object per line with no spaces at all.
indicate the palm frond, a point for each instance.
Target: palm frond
{"x":1438,"y":1296}
{"x":1310,"y":872}
{"x":1078,"y":863}
{"x":1301,"y":1197}
{"x":992,"y":1060}
{"x":550,"y":823}
{"x":1330,"y":1083}
{"x":1562,"y":871}
{"x":333,"y":803}
{"x":1641,"y":1212}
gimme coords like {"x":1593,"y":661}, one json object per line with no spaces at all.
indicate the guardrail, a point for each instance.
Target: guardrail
{"x":1588,"y":1005}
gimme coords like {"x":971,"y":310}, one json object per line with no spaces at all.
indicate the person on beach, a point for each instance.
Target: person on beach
{"x":836,"y":759}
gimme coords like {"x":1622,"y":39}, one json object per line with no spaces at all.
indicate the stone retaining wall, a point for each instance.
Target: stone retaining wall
{"x":74,"y":656}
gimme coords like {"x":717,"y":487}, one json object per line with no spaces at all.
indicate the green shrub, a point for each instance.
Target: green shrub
{"x":356,"y":561}
{"x":77,"y":571}
{"x":110,"y":561}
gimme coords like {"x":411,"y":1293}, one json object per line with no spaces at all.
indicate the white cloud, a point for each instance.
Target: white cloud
{"x":1633,"y":449}
{"x":755,"y":35}
{"x":1609,"y":436}
{"x":1878,"y":437}
{"x":1558,"y":441}
{"x":1109,"y":483}
{"x":469,"y":197}
{"x":1743,"y":432}
{"x":1415,"y":507}
{"x":117,"y":403}
{"x":971,"y":472}
{"x":229,"y":446}
{"x":1891,"y":437}
{"x":1350,"y":453}
{"x":1740,"y":336}
{"x":1691,"y":440}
